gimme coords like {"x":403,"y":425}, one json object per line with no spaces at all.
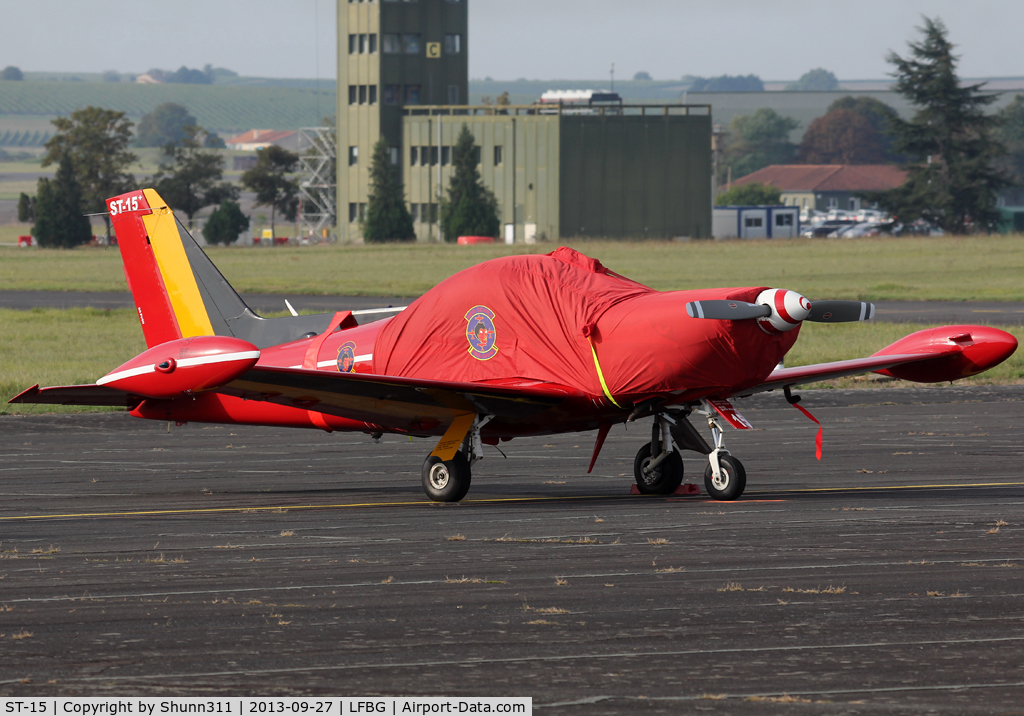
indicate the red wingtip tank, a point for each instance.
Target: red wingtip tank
{"x":962,"y":351}
{"x":184,"y":366}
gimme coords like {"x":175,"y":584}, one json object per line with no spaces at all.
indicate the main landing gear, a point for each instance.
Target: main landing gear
{"x":448,"y":480}
{"x":658,"y":467}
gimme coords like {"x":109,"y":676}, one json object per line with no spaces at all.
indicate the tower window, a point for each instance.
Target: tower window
{"x":411,"y":43}
{"x":362,"y":94}
{"x":413,"y":155}
{"x":373,"y":94}
{"x":412,"y":94}
{"x":373,"y":44}
{"x":392,"y":93}
{"x":362,"y":43}
{"x":497,"y":155}
{"x":446,"y":156}
{"x":352,"y":44}
{"x":352,"y":94}
{"x":353,"y":156}
{"x":393,"y":155}
{"x":452,"y":44}
{"x":453,"y":94}
{"x":392,"y":43}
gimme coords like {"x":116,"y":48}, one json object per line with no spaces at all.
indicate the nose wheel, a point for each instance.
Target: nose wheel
{"x":729,"y":483}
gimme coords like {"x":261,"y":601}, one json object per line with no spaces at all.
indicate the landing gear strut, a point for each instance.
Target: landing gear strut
{"x":724,"y":477}
{"x":658,"y":467}
{"x":448,"y":480}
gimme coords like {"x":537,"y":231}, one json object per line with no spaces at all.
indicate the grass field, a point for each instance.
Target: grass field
{"x":67,"y":347}
{"x":957,"y":269}
{"x":216,"y":107}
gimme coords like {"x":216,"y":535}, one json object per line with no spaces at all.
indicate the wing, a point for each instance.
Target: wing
{"x":934,"y":355}
{"x":782,"y":377}
{"x":412,"y":404}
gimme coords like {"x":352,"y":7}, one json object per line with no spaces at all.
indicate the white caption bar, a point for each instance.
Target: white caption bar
{"x":325,"y":706}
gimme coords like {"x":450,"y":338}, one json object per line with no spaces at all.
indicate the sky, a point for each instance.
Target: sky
{"x":509,"y":39}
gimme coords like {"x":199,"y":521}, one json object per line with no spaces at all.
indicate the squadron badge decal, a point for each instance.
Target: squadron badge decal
{"x":347,"y":357}
{"x":480,"y":333}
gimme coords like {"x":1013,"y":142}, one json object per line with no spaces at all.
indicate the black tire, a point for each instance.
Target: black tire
{"x":733,"y":480}
{"x":446,"y":481}
{"x":664,"y":479}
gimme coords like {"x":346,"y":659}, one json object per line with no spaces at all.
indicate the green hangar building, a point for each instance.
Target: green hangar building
{"x":559,"y":170}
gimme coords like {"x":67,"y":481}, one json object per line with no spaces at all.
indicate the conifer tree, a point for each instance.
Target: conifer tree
{"x":952,"y":181}
{"x":387,"y":217}
{"x":471,"y":209}
{"x":60,"y":222}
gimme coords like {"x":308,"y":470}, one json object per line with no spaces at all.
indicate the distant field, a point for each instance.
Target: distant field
{"x":957,"y":269}
{"x":216,"y":107}
{"x":55,"y":347}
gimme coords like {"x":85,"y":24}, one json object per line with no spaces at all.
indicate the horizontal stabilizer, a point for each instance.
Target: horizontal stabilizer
{"x":92,"y":395}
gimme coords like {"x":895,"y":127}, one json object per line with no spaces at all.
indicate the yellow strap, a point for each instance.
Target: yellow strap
{"x":600,"y":375}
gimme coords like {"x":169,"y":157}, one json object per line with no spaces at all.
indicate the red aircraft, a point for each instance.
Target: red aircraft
{"x":522,"y":345}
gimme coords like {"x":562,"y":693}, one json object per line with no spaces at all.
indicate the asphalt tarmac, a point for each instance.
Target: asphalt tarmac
{"x":138,"y":558}
{"x":937,"y":312}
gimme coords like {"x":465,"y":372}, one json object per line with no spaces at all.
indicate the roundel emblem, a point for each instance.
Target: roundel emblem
{"x":347,"y":357}
{"x":480,"y":333}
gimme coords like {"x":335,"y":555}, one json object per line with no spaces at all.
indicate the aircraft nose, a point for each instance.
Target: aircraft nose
{"x":789,"y":309}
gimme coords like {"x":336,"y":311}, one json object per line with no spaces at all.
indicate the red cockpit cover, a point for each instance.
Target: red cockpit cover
{"x":534,"y":317}
{"x":539,"y":307}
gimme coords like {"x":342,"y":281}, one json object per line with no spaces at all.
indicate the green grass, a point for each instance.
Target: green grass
{"x":68,"y":347}
{"x":62,"y":347}
{"x":216,"y":107}
{"x":954,"y":269}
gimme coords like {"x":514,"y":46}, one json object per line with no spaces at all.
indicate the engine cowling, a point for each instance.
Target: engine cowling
{"x":184,"y":366}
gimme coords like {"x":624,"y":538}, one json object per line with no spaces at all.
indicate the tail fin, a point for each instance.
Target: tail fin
{"x":178,"y":291}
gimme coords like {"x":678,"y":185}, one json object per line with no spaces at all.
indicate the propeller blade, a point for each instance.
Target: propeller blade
{"x":727,"y":310}
{"x":841,"y":311}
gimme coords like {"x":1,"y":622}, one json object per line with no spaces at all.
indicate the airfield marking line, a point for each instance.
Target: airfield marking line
{"x":899,"y":487}
{"x":561,"y":657}
{"x":491,"y":501}
{"x":272,"y":508}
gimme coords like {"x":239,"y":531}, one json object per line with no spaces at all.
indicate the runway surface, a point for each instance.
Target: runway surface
{"x":939,"y":312}
{"x":138,"y":558}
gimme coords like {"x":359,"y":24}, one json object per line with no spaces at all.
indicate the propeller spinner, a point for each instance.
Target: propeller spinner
{"x":778,"y":310}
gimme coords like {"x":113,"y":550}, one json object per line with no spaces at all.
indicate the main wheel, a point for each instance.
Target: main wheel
{"x":446,"y":481}
{"x":732,"y":479}
{"x":662,"y":480}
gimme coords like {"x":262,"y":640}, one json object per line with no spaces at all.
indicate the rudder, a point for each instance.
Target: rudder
{"x":177,"y":290}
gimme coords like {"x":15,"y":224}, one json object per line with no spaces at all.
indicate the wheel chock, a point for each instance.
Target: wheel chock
{"x":688,"y":488}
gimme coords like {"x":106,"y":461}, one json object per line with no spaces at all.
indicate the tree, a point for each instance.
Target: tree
{"x":164,"y":125}
{"x":953,"y":182}
{"x":881,"y":116}
{"x":642,"y":76}
{"x":183,"y":75}
{"x":471,"y":209}
{"x":758,"y":140}
{"x":1011,"y":134}
{"x":193,"y":181}
{"x":753,"y":194}
{"x":387,"y":217}
{"x":96,"y":140}
{"x":11,"y":73}
{"x":59,"y":219}
{"x":841,"y":137}
{"x":727,"y":83}
{"x":26,"y":209}
{"x":111,"y":76}
{"x":225,"y":223}
{"x":817,"y":80}
{"x":271,"y":181}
